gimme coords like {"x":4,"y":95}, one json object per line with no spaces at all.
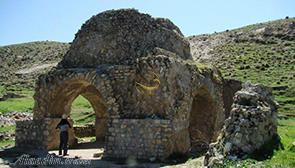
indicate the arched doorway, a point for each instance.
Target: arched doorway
{"x":62,"y":101}
{"x":89,"y":126}
{"x":202,"y":122}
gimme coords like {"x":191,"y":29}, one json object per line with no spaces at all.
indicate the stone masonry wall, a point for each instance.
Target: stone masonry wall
{"x":119,"y":37}
{"x":31,"y":134}
{"x":39,"y":134}
{"x":84,"y":131}
{"x":179,"y":140}
{"x":143,"y":139}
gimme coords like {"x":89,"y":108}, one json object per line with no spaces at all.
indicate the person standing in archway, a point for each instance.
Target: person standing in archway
{"x":63,"y":127}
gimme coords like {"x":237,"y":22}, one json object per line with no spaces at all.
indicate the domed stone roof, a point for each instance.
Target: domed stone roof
{"x":119,"y":37}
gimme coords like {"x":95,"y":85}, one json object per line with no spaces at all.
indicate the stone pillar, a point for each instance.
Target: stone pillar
{"x":100,"y":128}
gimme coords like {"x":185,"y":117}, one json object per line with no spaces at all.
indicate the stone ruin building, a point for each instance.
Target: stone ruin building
{"x":150,"y":98}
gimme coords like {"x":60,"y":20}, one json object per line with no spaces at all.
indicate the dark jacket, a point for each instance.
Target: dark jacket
{"x":62,"y":122}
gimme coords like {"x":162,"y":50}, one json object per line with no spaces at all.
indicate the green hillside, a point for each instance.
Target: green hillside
{"x":261,"y":53}
{"x":20,"y":64}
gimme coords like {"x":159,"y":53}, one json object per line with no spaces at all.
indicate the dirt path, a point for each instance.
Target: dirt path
{"x":35,"y":68}
{"x":84,"y":157}
{"x":96,"y":161}
{"x":83,"y":153}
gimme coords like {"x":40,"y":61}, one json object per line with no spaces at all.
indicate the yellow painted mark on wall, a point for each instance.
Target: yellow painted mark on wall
{"x":141,"y":88}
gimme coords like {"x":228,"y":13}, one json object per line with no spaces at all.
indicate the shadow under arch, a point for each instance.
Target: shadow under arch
{"x":202,"y":122}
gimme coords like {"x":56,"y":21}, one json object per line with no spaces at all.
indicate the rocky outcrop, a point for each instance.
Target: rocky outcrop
{"x":251,"y":124}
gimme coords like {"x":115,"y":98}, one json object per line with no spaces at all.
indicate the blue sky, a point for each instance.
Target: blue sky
{"x":59,"y":20}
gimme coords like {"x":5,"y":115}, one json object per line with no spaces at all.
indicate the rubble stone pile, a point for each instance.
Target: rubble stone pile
{"x":251,"y":124}
{"x":11,"y":117}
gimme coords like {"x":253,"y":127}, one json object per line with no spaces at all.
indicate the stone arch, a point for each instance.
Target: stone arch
{"x":204,"y":117}
{"x":69,"y":91}
{"x":56,"y":92}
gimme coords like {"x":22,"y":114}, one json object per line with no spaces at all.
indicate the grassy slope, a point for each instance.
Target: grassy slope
{"x":20,"y":56}
{"x":24,"y":103}
{"x":251,"y":54}
{"x":82,"y":112}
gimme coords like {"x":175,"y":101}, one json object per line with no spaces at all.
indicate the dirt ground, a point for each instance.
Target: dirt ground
{"x":83,"y":155}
